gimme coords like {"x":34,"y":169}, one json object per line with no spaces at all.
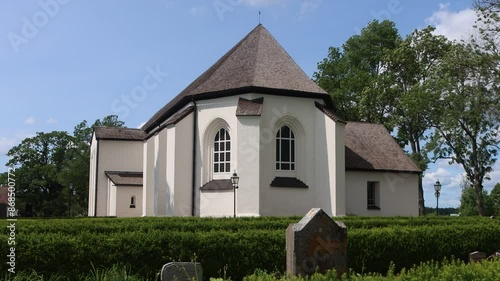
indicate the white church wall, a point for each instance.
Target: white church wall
{"x":217,"y":204}
{"x":300,"y":115}
{"x":112,"y":198}
{"x":248,"y":197}
{"x":397,"y":193}
{"x":148,"y":178}
{"x":115,"y":156}
{"x":92,"y":176}
{"x":161,"y":171}
{"x":183,"y":182}
{"x":123,"y":200}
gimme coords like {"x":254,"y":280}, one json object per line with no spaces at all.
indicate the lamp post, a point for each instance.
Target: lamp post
{"x":70,"y":187}
{"x":437,"y":189}
{"x":234,"y":181}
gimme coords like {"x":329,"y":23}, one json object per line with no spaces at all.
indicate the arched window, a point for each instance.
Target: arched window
{"x":132,"y":202}
{"x":222,"y":152}
{"x":285,"y":149}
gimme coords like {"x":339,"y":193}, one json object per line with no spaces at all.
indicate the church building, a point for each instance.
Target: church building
{"x":256,"y":114}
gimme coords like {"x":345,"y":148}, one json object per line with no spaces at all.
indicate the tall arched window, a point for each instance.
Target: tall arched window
{"x":285,"y":149}
{"x":222,"y":152}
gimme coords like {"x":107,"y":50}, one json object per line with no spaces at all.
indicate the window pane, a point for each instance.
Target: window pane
{"x":285,"y":132}
{"x":291,"y":134}
{"x":228,"y":167}
{"x":277,"y":166}
{"x":285,"y":166}
{"x":228,"y":145}
{"x":277,"y":150}
{"x":285,"y":150}
{"x":217,"y":136}
{"x":292,"y":151}
{"x":292,"y":166}
{"x":222,"y":134}
{"x":228,"y":156}
{"x":216,"y":146}
{"x":278,"y":134}
{"x":216,"y":157}
{"x":221,"y":157}
{"x":221,"y":168}
{"x":222,"y":146}
{"x":227,"y":136}
{"x":216,"y":168}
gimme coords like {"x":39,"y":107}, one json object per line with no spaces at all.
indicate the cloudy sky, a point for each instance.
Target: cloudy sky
{"x":64,"y":61}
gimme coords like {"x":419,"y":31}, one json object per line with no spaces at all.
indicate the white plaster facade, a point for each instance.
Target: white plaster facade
{"x":332,"y":160}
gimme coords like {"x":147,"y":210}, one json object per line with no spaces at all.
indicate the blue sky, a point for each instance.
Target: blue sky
{"x":64,"y":61}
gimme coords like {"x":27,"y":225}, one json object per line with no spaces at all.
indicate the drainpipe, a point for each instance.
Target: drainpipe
{"x":195,"y":125}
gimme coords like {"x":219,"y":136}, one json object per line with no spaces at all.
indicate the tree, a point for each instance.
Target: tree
{"x":47,"y":163}
{"x":467,"y":115}
{"x":38,"y":161}
{"x":495,"y":199}
{"x":353,"y":75}
{"x":409,"y":67}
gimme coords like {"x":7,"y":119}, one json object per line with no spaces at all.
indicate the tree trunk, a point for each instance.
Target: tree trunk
{"x":479,"y":195}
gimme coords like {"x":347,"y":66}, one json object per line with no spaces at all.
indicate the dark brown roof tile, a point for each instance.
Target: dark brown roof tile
{"x":125,"y":178}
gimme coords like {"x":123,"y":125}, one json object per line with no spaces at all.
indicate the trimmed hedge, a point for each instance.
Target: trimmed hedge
{"x":238,"y":245}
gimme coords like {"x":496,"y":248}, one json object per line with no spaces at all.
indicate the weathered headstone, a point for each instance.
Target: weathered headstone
{"x":476,"y":256}
{"x":182,"y":271}
{"x":316,"y":244}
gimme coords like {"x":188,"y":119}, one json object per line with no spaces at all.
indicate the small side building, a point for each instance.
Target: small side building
{"x":115,"y":180}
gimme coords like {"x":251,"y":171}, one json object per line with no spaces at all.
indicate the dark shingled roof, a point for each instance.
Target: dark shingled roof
{"x":125,"y":178}
{"x":249,"y":107}
{"x":329,"y":112}
{"x":217,"y":185}
{"x":258,"y":63}
{"x":370,"y":147}
{"x":112,"y":133}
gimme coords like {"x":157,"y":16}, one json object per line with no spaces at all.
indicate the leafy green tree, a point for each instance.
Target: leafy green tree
{"x":47,"y":163}
{"x":495,"y":199}
{"x":409,"y":67}
{"x":353,"y":74}
{"x":38,"y":161}
{"x":467,"y":115}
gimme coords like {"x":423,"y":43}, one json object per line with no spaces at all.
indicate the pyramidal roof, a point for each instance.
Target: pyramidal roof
{"x":258,"y":63}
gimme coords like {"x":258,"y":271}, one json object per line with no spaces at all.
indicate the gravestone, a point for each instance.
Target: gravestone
{"x":316,"y":244}
{"x":476,"y":256}
{"x":182,"y":271}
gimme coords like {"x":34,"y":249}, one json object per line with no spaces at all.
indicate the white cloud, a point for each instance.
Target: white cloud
{"x":197,"y":10}
{"x":52,"y":121}
{"x":260,"y":3}
{"x":453,"y":25}
{"x":309,"y":6}
{"x":30,"y":121}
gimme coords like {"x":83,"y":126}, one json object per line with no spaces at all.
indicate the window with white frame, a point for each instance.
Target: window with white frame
{"x":373,"y":195}
{"x":222,"y":152}
{"x":285,"y":149}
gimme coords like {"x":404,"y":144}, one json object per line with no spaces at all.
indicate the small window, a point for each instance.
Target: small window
{"x":132,"y":202}
{"x":285,"y":149}
{"x":373,"y":195}
{"x":222,"y":152}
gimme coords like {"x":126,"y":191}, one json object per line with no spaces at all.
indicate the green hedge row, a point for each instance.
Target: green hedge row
{"x":238,"y":251}
{"x":429,"y":271}
{"x":113,"y":225}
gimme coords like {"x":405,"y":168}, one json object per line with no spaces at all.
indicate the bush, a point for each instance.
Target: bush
{"x":236,"y":247}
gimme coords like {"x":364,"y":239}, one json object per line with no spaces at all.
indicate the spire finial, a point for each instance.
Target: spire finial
{"x":259,"y":17}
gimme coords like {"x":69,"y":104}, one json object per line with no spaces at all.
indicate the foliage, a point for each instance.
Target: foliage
{"x":45,"y":166}
{"x":466,"y":116}
{"x":238,"y":245}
